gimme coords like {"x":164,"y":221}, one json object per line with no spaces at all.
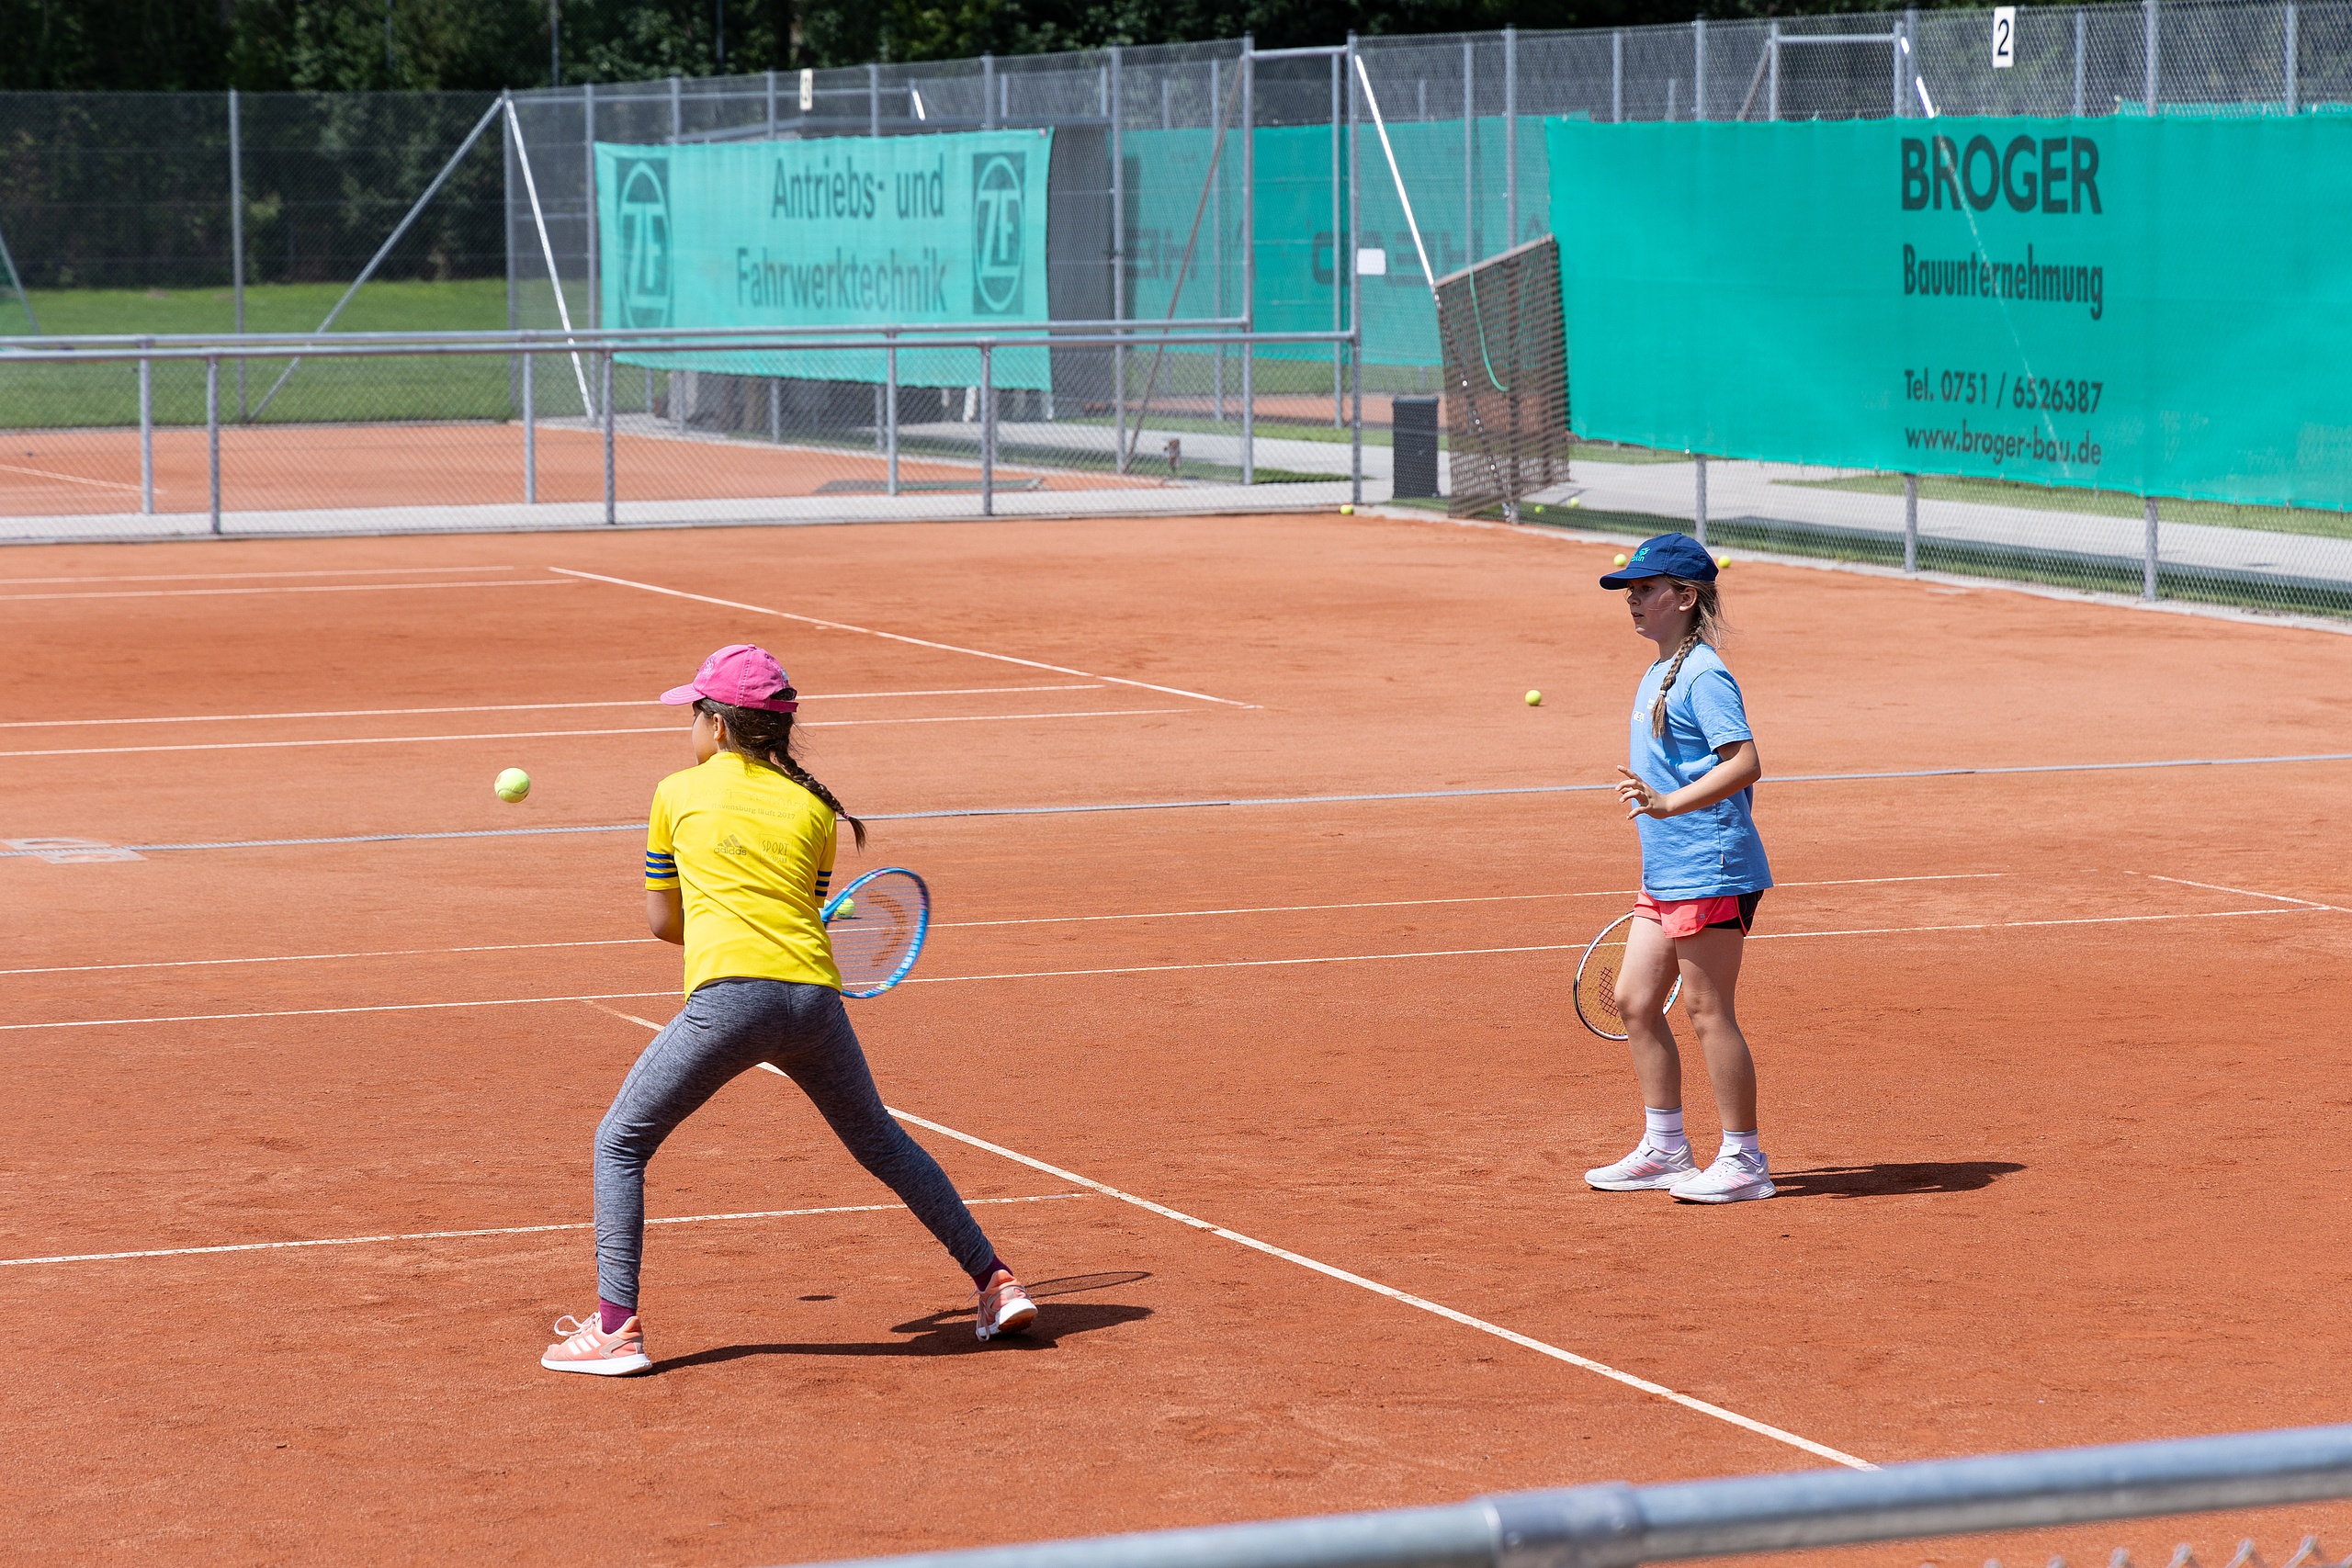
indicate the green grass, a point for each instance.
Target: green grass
{"x":2101,"y":502}
{"x":469,"y":305}
{"x":464,"y":387}
{"x":1619,"y":452}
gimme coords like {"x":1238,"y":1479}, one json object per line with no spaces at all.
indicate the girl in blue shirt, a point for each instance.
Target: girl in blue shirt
{"x":1689,"y":786}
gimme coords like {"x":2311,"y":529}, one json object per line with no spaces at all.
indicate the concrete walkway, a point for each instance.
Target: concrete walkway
{"x":1758,"y":492}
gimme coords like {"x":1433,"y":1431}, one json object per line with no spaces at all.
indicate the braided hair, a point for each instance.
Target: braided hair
{"x":1706,"y":625}
{"x":766,"y":737}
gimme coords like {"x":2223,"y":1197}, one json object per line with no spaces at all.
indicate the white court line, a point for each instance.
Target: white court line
{"x":216,"y":576}
{"x":323,"y":1012}
{"x":1147,"y":969}
{"x":329,"y":957}
{"x":1586,"y":1363}
{"x":2015,"y":925}
{"x":304,"y":588}
{"x":943,"y":925}
{"x":2242,"y":891}
{"x":75,"y":479}
{"x":1409,"y":903}
{"x":513,"y":707}
{"x":559,"y":734}
{"x":896,"y":636}
{"x":502,"y":1230}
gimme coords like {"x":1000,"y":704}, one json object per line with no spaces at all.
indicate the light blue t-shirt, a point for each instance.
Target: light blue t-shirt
{"x":1714,"y":851}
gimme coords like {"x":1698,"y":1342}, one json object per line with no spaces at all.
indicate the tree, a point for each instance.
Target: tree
{"x":346,"y":45}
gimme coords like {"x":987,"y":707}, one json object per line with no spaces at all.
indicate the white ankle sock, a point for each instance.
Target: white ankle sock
{"x":1742,"y":1143}
{"x":1665,"y":1130}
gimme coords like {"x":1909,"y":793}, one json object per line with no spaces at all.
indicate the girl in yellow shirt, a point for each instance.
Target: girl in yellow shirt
{"x":737,"y":860}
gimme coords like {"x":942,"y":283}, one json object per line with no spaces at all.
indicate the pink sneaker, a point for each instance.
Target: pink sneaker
{"x":1004,"y":1307}
{"x":587,"y":1347}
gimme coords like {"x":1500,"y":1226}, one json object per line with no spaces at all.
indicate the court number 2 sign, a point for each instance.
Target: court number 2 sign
{"x":2004,"y":36}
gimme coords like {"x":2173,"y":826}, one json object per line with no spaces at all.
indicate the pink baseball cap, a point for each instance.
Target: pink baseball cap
{"x":741,"y":676}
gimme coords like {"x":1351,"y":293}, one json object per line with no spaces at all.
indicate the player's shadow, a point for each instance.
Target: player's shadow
{"x":949,"y":1332}
{"x":1894,"y":1178}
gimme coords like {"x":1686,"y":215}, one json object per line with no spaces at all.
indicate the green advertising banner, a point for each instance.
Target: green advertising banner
{"x":2148,"y":305}
{"x":1298,"y":247}
{"x":850,"y":232}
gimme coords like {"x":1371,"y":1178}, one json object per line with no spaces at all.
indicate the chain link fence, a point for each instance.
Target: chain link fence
{"x":1303,"y":191}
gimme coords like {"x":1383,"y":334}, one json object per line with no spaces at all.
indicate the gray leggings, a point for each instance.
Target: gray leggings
{"x":727,"y":1028}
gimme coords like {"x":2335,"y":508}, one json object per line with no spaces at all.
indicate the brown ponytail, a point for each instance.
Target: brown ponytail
{"x":766,"y":737}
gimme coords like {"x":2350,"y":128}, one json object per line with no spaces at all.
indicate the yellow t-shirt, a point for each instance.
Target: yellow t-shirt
{"x":753,"y":853}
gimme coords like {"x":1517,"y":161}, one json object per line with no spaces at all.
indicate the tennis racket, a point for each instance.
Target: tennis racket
{"x":877,"y":925}
{"x":1597,"y":981}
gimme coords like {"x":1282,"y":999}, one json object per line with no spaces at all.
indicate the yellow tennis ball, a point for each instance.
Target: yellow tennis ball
{"x":848,"y":909}
{"x":512,"y":785}
{"x":1722,"y":563}
{"x":1620,"y":560}
{"x":1347,"y":509}
{"x":1576,"y":501}
{"x":1535,"y":699}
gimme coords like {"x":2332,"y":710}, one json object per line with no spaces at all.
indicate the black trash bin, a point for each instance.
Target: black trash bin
{"x":1412,"y":424}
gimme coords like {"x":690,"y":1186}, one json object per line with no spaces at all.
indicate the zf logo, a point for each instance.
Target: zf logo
{"x":645,"y":241}
{"x":997,"y":180}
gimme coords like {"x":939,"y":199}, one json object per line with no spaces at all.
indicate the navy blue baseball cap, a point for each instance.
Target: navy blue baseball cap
{"x":1668,"y":555}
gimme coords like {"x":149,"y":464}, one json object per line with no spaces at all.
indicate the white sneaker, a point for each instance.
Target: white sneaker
{"x":1645,"y":1167}
{"x":1735,"y":1178}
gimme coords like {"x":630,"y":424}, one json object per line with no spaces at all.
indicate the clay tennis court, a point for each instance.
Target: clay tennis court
{"x":293,"y":467}
{"x":2053,"y":1062}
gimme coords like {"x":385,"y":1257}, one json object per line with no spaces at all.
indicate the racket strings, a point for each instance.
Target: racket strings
{"x":1597,"y":986}
{"x":874,"y":942}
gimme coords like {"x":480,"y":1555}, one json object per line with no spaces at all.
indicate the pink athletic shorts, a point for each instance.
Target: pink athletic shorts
{"x":1689,"y":916}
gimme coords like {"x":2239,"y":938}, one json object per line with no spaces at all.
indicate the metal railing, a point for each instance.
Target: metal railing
{"x":1617,"y":1525}
{"x":765,"y":357}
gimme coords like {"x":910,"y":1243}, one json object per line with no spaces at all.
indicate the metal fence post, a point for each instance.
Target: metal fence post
{"x":507,"y":222}
{"x":770,"y":85}
{"x":1510,"y":137}
{"x":1698,"y":68}
{"x":2148,"y":50}
{"x":1617,"y":76}
{"x":1355,"y":289}
{"x":2148,"y":560}
{"x":873,"y":98}
{"x":237,"y":230}
{"x":1469,"y":153}
{"x":595,"y":217}
{"x":605,"y":396}
{"x":890,"y":405}
{"x":1699,"y":512}
{"x":988,"y":92}
{"x":1216,"y":224}
{"x":147,"y":436}
{"x":677,"y":109}
{"x":2292,"y":66}
{"x":530,"y":435}
{"x":1249,"y":257}
{"x":1900,"y":42}
{"x":2078,"y":64}
{"x":1338,"y":270}
{"x":1772,"y":69}
{"x":1119,"y":260}
{"x":212,"y":433}
{"x":1910,"y":521}
{"x":988,"y":432}
{"x":1355,"y":429}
